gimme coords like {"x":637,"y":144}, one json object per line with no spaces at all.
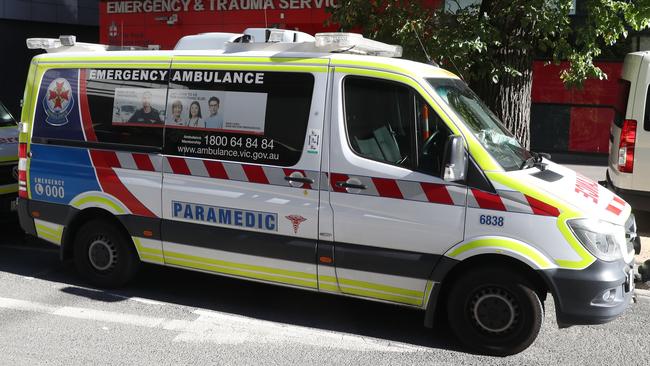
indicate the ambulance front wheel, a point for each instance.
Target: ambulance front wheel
{"x":494,"y":311}
{"x":104,"y":255}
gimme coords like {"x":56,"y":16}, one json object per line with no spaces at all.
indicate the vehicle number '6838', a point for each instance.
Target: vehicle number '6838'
{"x":491,"y":220}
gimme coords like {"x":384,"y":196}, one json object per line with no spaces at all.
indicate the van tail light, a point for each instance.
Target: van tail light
{"x":626,"y":146}
{"x":22,"y":170}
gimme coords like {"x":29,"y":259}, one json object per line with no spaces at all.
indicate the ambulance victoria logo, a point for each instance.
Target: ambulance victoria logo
{"x":296,"y":220}
{"x":58,"y":102}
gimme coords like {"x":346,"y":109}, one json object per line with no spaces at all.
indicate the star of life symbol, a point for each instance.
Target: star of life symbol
{"x":112,"y":30}
{"x":58,"y":102}
{"x":296,"y":220}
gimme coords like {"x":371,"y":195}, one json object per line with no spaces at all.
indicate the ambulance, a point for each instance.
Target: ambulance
{"x":323,"y":163}
{"x":8,"y":162}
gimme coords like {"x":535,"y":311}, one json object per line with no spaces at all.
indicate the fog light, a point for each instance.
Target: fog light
{"x":609,"y":296}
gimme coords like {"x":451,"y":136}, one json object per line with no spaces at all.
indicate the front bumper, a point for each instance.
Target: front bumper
{"x":595,"y":295}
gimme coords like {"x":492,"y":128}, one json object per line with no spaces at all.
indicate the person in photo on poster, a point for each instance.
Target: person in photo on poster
{"x":177,"y":109}
{"x":146,"y":114}
{"x":196,"y":119}
{"x":215,"y":119}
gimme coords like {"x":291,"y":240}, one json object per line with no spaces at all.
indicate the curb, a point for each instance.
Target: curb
{"x":641,"y":292}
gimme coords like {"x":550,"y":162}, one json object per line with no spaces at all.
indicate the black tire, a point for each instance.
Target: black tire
{"x":494,"y":311}
{"x":104,"y":255}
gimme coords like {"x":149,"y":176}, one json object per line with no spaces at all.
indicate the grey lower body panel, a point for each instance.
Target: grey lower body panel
{"x":595,"y":295}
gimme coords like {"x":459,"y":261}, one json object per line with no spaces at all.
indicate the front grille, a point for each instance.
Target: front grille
{"x":7,"y":174}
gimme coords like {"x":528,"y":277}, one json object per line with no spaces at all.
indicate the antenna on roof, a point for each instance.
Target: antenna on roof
{"x":429,"y":59}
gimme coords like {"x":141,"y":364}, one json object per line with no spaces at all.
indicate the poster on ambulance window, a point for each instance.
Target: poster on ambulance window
{"x":228,"y":111}
{"x":139,"y":107}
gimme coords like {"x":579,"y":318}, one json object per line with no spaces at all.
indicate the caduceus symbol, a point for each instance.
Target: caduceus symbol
{"x":296,"y":220}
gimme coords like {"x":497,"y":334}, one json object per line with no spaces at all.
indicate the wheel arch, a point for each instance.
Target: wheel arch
{"x":448,"y":270}
{"x":78,"y":220}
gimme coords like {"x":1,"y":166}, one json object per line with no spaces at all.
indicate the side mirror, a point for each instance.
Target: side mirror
{"x":454,"y":160}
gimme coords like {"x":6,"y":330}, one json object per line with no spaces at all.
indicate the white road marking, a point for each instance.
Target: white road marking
{"x":221,"y":328}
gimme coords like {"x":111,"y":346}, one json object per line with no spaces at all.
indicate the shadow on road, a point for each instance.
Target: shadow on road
{"x":34,"y":258}
{"x":642,"y":222}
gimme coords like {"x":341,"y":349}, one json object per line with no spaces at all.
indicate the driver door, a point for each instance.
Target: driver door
{"x":393,"y":216}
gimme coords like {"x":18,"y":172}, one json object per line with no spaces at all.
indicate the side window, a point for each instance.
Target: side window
{"x":432,"y":134}
{"x":245,"y":116}
{"x":109,"y":106}
{"x":127,"y":106}
{"x":389,"y":122}
{"x":646,"y":120}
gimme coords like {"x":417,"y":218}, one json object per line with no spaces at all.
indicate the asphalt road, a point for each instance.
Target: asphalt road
{"x":169,"y":316}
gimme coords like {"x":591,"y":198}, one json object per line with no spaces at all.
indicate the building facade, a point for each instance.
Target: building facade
{"x":22,"y":19}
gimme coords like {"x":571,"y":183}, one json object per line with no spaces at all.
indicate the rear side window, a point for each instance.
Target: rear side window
{"x":111,"y":108}
{"x":245,"y":116}
{"x":621,"y":104}
{"x":646,"y":119}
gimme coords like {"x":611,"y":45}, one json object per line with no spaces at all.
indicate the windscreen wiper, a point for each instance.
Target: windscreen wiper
{"x":536,"y":160}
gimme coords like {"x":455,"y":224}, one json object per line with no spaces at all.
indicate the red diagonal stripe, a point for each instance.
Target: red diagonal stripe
{"x":143,"y":162}
{"x":105,"y":159}
{"x":86,"y":120}
{"x":179,"y":166}
{"x":387,"y":188}
{"x":613,"y":209}
{"x":112,"y":185}
{"x":437,"y":193}
{"x":255,"y":174}
{"x":336,"y":177}
{"x":488,"y":201}
{"x":619,"y":200}
{"x":542,"y":208}
{"x":215,"y":169}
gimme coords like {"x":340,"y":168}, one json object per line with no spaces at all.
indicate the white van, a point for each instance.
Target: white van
{"x":628,"y":173}
{"x":320,"y":163}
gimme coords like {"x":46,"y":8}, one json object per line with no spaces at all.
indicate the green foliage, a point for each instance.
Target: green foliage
{"x":492,"y":38}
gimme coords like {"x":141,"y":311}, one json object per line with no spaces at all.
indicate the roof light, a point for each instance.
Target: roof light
{"x":68,"y":40}
{"x":355,"y":43}
{"x":42,"y":43}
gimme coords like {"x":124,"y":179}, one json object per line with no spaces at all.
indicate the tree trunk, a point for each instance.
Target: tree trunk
{"x":510,"y":97}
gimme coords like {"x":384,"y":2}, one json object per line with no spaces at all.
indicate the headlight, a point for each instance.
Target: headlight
{"x":602,"y":239}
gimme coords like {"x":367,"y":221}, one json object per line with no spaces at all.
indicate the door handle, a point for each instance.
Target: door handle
{"x":343,"y":184}
{"x":304,"y":180}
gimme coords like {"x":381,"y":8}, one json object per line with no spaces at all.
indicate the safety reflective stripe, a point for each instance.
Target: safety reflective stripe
{"x":9,"y":188}
{"x":372,"y":290}
{"x":565,"y":212}
{"x":512,"y":245}
{"x":12,"y":159}
{"x":97,"y":201}
{"x":249,"y":67}
{"x":240,"y":269}
{"x":254,"y":60}
{"x":49,"y":231}
{"x":148,"y":254}
{"x":235,"y":171}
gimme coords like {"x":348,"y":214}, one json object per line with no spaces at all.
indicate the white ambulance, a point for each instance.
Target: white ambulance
{"x":323,"y":163}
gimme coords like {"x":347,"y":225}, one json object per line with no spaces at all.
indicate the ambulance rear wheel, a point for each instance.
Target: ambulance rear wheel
{"x":494,"y":311}
{"x":104,"y":255}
